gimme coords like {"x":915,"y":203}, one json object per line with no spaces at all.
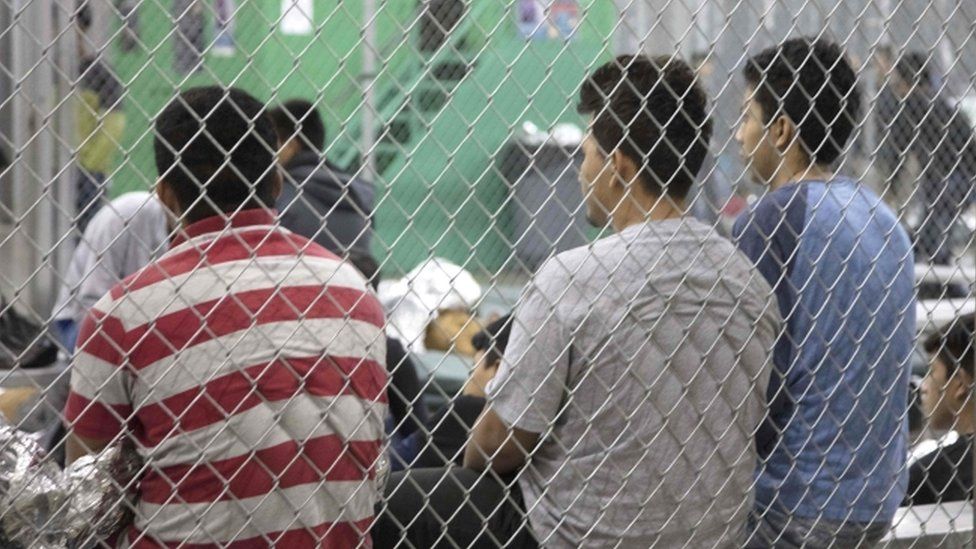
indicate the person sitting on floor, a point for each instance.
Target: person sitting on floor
{"x":943,"y":471}
{"x":448,"y":429}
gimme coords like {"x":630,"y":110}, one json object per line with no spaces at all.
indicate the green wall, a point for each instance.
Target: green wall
{"x":445,"y":196}
{"x":323,"y":67}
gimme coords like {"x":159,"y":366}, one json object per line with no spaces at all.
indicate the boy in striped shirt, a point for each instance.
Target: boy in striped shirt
{"x":246,"y":363}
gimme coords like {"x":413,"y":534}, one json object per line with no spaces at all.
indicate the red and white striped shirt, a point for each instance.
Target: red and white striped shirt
{"x":248,"y":365}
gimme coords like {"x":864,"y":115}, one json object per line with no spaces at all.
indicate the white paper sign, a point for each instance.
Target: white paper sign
{"x":296,"y":17}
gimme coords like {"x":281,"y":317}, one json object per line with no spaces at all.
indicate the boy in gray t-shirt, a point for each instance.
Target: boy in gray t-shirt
{"x":637,"y":367}
{"x":636,"y":372}
{"x":642,"y":362}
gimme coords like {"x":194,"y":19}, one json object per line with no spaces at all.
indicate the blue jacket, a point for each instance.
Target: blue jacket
{"x":834,"y":443}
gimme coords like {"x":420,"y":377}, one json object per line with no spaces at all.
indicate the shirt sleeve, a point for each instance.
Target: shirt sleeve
{"x":99,"y":404}
{"x":768,"y":235}
{"x":531,"y":385}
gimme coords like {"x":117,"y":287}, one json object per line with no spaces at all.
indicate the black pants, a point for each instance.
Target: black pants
{"x":451,"y":507}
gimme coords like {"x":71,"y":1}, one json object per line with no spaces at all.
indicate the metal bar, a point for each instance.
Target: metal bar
{"x":367,"y":79}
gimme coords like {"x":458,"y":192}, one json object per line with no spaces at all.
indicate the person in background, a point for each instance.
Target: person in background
{"x":318,"y":200}
{"x":887,"y":105}
{"x":99,"y":125}
{"x":944,"y":471}
{"x":450,"y":427}
{"x":833,"y":446}
{"x":408,"y":415}
{"x":246,"y":362}
{"x":941,"y":139}
{"x":121,"y":238}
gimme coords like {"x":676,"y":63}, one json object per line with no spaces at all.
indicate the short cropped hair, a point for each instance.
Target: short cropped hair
{"x":812,"y":83}
{"x":216,"y":147}
{"x":954,"y":344}
{"x":654,"y":112}
{"x":298,"y":119}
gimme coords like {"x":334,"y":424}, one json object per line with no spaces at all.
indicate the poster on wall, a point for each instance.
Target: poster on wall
{"x":296,"y":17}
{"x":224,"y":11}
{"x":547,"y":19}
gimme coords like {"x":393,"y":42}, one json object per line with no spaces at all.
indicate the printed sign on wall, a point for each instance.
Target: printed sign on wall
{"x":296,"y":17}
{"x":547,"y":20}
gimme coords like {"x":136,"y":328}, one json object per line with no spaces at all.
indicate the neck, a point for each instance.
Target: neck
{"x":806,"y":172}
{"x":965,"y":425}
{"x":632,"y":211}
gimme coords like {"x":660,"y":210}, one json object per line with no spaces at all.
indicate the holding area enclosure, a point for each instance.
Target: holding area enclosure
{"x":705,"y":271}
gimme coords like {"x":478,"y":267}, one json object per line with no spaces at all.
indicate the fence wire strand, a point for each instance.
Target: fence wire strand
{"x":466,"y":273}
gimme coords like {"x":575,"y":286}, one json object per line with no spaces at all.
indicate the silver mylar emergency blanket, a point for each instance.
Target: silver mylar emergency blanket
{"x":42,"y":506}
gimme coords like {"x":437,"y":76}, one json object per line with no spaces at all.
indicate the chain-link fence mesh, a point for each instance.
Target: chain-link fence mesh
{"x":465,"y":273}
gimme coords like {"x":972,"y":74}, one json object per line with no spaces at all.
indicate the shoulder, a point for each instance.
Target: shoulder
{"x":570,"y":267}
{"x":112,"y":218}
{"x":784,"y":207}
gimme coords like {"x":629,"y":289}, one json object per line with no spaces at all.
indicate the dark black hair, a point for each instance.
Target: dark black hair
{"x":655,"y":113}
{"x":913,"y":68}
{"x":215,"y":147}
{"x":954,"y":344}
{"x":812,"y":83}
{"x":493,"y":339}
{"x":298,"y":118}
{"x":366,"y":264}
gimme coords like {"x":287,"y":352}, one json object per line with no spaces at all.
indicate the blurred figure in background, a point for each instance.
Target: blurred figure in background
{"x":887,"y":105}
{"x":447,"y":431}
{"x":943,"y":471}
{"x":122,"y":238}
{"x":318,"y":200}
{"x":928,"y":128}
{"x":99,"y":124}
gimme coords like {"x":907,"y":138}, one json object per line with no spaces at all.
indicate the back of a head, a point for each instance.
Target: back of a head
{"x":215,"y":147}
{"x":299,"y":119}
{"x":812,"y":83}
{"x":955,"y":344}
{"x":654,"y":111}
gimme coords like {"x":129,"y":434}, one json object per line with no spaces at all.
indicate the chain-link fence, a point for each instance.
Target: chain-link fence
{"x":465,"y":273}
